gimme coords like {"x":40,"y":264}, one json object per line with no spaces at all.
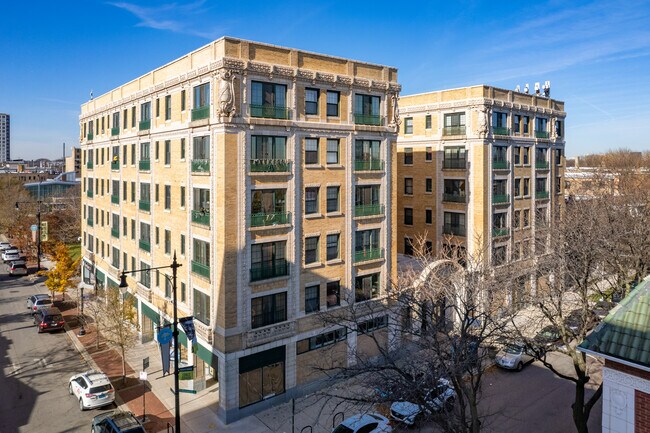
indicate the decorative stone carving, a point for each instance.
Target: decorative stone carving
{"x":618,"y":399}
{"x":483,"y":122}
{"x":395,"y":120}
{"x":553,"y":130}
{"x":226,"y":108}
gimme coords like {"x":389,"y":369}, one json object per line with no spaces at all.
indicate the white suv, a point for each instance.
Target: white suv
{"x":92,"y":388}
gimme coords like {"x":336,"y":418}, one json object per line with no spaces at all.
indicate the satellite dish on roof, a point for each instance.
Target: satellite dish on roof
{"x":537,"y":88}
{"x":518,"y":88}
{"x":547,"y":88}
{"x":526,"y":88}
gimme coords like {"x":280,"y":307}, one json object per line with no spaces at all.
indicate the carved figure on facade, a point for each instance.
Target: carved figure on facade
{"x":395,"y":121}
{"x":483,"y":122}
{"x":226,"y":107}
{"x":553,"y":127}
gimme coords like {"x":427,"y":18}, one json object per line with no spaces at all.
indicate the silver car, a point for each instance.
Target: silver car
{"x":19,"y":267}
{"x":513,"y":357}
{"x":11,"y":255}
{"x":442,"y":397}
{"x":41,"y":304}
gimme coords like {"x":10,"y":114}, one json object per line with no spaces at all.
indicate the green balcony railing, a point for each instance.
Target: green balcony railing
{"x":369,"y":165}
{"x":500,"y":231}
{"x":145,"y":244}
{"x":541,"y":134}
{"x":269,"y":111}
{"x":270,"y":166}
{"x":500,"y":165}
{"x":456,"y":230}
{"x":115,"y":199}
{"x":144,"y":205}
{"x":500,"y":198}
{"x":541,"y":165}
{"x":115,"y":131}
{"x":89,"y":137}
{"x":89,"y":165}
{"x":500,"y":130}
{"x":201,"y":217}
{"x":201,"y":165}
{"x":271,"y":269}
{"x":454,"y":198}
{"x":115,"y":164}
{"x":541,"y":195}
{"x":368,"y":254}
{"x":363,"y":210}
{"x":115,"y":232}
{"x":453,"y":130}
{"x":89,"y":193}
{"x":200,"y":113}
{"x":144,"y":164}
{"x":367,"y":119}
{"x":144,"y":125}
{"x":90,"y":222}
{"x":459,"y":164}
{"x":270,"y":219}
{"x":201,"y":269}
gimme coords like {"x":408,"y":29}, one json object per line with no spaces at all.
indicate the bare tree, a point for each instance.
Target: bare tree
{"x":120,"y":325}
{"x":96,"y":307}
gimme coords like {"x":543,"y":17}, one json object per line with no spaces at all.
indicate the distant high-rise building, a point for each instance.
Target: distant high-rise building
{"x":5,"y":142}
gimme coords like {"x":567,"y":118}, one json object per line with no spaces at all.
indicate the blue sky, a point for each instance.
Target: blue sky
{"x":596,"y":54}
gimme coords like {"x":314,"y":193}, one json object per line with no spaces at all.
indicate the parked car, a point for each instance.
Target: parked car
{"x":5,"y":246}
{"x":116,"y":422}
{"x":33,"y":298}
{"x":513,"y":357}
{"x":442,"y":397}
{"x":48,"y":320}
{"x":602,"y":308}
{"x":547,"y":339}
{"x":92,"y":389}
{"x":19,"y":267}
{"x":11,"y":255}
{"x":41,"y":303}
{"x":364,"y":423}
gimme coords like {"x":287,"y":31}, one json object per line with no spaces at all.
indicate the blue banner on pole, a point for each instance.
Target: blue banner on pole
{"x":187,"y":323}
{"x":164,"y":350}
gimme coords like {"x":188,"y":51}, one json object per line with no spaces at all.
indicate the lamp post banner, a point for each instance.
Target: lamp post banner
{"x":164,"y":355}
{"x":187,"y":323}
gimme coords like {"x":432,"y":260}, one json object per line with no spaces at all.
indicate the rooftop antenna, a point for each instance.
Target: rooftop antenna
{"x":547,"y":88}
{"x":526,"y":88}
{"x":91,"y":95}
{"x":518,"y":88}
{"x":537,"y":88}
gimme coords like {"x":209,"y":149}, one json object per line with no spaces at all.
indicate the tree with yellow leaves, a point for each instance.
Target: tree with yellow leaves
{"x":65,"y":273}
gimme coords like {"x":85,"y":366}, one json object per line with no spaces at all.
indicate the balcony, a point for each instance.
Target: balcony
{"x":454,"y":164}
{"x":541,"y":134}
{"x":367,"y":119}
{"x":456,"y":230}
{"x":89,"y":165}
{"x":269,"y":333}
{"x":115,"y":164}
{"x":144,"y":125}
{"x":145,"y":244}
{"x":270,"y":166}
{"x":90,"y":222}
{"x":270,"y":219}
{"x":500,"y":130}
{"x":89,"y":137}
{"x":364,"y":210}
{"x":201,"y":217}
{"x":368,"y":254}
{"x":453,"y":130}
{"x":541,"y":165}
{"x":500,"y":198}
{"x":266,"y":270}
{"x":370,"y":165}
{"x":89,"y":193}
{"x":501,"y":231}
{"x":144,"y":205}
{"x":454,"y":198}
{"x":201,"y":269}
{"x":201,"y":165}
{"x":144,"y":165}
{"x":115,"y":199}
{"x":269,"y":111}
{"x":200,"y":113}
{"x":500,"y":165}
{"x":541,"y":195}
{"x":115,"y":131}
{"x":115,"y":232}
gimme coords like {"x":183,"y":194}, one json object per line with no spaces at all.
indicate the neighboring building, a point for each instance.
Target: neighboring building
{"x":53,"y":188}
{"x":73,"y":162}
{"x":268,"y":172}
{"x":5,"y":138}
{"x":623,"y":340}
{"x":480,"y":170}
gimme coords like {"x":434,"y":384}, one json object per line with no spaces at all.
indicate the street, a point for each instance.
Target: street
{"x":35,"y":368}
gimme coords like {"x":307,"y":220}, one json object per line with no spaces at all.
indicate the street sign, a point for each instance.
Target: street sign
{"x":143,"y":375}
{"x":44,"y":232}
{"x":186,"y":373}
{"x":34,"y":227}
{"x":145,"y":363}
{"x":165,"y":335}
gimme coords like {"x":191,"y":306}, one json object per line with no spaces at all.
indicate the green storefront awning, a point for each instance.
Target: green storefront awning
{"x":99,"y":276}
{"x":151,"y":314}
{"x":202,"y":352}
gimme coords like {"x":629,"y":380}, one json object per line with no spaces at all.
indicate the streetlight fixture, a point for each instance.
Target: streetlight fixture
{"x":38,"y":228}
{"x":123,"y":284}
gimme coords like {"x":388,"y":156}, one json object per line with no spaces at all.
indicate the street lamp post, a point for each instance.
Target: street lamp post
{"x":123,"y":284}
{"x":38,"y":228}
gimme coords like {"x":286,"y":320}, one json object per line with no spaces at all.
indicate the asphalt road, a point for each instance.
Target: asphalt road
{"x":35,"y":368}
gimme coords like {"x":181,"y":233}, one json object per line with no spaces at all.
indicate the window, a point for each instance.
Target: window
{"x":408,"y":216}
{"x":428,"y":184}
{"x":168,"y":242}
{"x":499,"y":221}
{"x":267,"y":310}
{"x":183,"y":292}
{"x":558,"y":156}
{"x":499,"y":156}
{"x":408,"y":185}
{"x":333,"y":294}
{"x":132,"y":192}
{"x":516,"y":219}
{"x":428,"y":216}
{"x":526,"y":124}
{"x":133,"y":229}
{"x":366,"y":109}
{"x":516,"y":151}
{"x":541,"y":125}
{"x":124,"y":153}
{"x":157,"y":150}
{"x":116,"y":121}
{"x":408,"y":125}
{"x":168,"y":152}
{"x":454,"y":158}
{"x":158,"y":107}
{"x":321,"y":340}
{"x":499,"y":255}
{"x":182,"y":148}
{"x":366,"y":154}
{"x":201,"y":148}
{"x":201,"y":96}
{"x":366,"y":287}
{"x":145,"y":277}
{"x":201,"y":257}
{"x":145,"y":112}
{"x":428,"y":248}
{"x":182,"y":100}
{"x":268,"y":260}
{"x":540,"y":157}
{"x":268,"y":148}
{"x":157,"y":237}
{"x":268,"y":202}
{"x":168,"y":197}
{"x":454,"y":190}
{"x":311,"y":200}
{"x":333,"y":99}
{"x":132,"y":117}
{"x":125,"y":118}
{"x":408,"y":156}
{"x":408,"y":247}
{"x":559,"y":128}
{"x":157,"y":192}
{"x":517,"y":187}
{"x":182,"y":244}
{"x":516,"y":124}
{"x":168,"y":107}
{"x":311,"y":101}
{"x":332,"y":199}
{"x":526,"y":155}
{"x":115,"y":258}
{"x":333,"y":246}
{"x":540,"y":185}
{"x":202,"y":307}
{"x":132,"y":154}
{"x":558,"y":185}
{"x":454,"y":224}
{"x":454,"y":124}
{"x":526,"y":217}
{"x":428,"y":155}
{"x":311,"y":249}
{"x":261,"y":376}
{"x":266,"y":96}
{"x":500,"y":188}
{"x":372,"y":325}
{"x":312,"y":298}
{"x":125,"y":228}
{"x":311,"y":151}
{"x":332,"y":151}
{"x":367,"y":195}
{"x":168,"y":287}
{"x":427,"y":121}
{"x":182,"y":201}
{"x":526,"y":187}
{"x":500,"y":123}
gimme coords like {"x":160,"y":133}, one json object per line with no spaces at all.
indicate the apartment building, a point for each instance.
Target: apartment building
{"x":268,"y":172}
{"x":480,"y":173}
{"x":5,"y":137}
{"x":73,"y":162}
